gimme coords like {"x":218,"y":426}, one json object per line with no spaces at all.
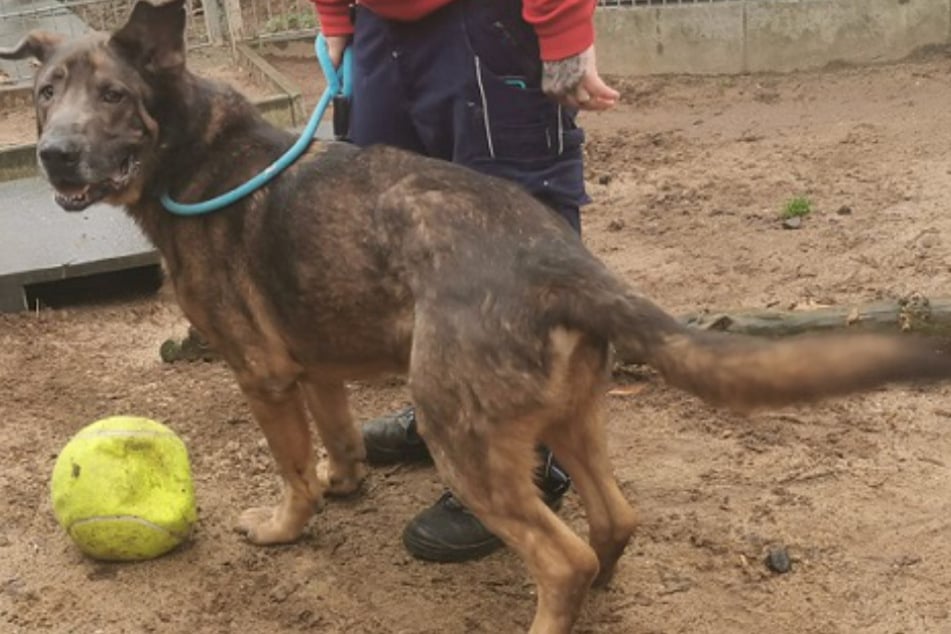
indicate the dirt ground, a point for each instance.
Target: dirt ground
{"x":689,"y":176}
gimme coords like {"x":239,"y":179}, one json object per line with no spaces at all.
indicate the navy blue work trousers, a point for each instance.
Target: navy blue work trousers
{"x":463,"y":84}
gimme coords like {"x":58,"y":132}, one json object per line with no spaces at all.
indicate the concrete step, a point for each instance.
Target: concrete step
{"x":39,"y":242}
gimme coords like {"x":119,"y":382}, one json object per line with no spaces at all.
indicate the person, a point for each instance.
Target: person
{"x":494,"y":85}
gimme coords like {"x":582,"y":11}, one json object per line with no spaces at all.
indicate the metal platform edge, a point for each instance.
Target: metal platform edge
{"x":13,"y":287}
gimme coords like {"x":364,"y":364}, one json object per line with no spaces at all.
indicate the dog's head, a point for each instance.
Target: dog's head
{"x":96,"y":103}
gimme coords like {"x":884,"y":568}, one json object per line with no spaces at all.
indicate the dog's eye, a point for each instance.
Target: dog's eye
{"x":46,"y":92}
{"x":110,"y":95}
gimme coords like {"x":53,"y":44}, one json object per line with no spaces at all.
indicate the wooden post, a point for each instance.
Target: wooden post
{"x":213,"y":21}
{"x":235,"y":21}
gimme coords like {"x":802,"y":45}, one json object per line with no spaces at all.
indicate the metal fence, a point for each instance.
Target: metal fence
{"x":275,"y":19}
{"x":17,"y":17}
{"x":210,"y":21}
{"x":106,"y":15}
{"x":73,"y":17}
{"x":655,"y":3}
{"x":286,"y":19}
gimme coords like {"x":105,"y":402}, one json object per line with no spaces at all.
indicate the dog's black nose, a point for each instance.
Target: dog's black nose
{"x":59,"y":156}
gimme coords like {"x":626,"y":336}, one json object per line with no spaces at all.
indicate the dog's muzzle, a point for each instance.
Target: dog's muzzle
{"x":77,"y":184}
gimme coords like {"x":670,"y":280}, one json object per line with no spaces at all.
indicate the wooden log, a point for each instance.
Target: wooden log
{"x":916,"y":314}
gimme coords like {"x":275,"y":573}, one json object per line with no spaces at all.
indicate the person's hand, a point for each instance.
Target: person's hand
{"x":336,"y":45}
{"x":574,"y":82}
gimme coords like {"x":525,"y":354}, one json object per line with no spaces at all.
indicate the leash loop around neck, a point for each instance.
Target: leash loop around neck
{"x":339,"y":84}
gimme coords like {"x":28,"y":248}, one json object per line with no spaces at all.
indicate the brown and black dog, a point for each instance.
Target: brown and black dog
{"x":360,"y":262}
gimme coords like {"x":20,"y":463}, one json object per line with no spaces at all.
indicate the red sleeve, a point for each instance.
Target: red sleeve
{"x":334,"y":16}
{"x":564,"y":27}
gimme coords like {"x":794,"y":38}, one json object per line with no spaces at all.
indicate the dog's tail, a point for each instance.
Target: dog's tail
{"x":747,"y":372}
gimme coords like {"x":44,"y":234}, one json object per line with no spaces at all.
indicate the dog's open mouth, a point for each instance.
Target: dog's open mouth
{"x":73,"y":197}
{"x":77,"y":199}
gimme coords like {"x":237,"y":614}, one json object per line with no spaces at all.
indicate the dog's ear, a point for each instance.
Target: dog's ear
{"x":37,"y":44}
{"x":153,"y":38}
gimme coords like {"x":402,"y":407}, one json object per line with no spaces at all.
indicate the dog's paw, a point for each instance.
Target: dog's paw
{"x":267,"y":525}
{"x":341,"y":482}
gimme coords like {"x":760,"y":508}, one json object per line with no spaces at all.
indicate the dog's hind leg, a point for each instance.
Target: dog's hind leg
{"x":345,"y":466}
{"x":579,"y":445}
{"x":576,"y":437}
{"x":281,"y":415}
{"x":489,"y":467}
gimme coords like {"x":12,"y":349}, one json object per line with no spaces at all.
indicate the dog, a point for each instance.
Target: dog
{"x":360,"y":262}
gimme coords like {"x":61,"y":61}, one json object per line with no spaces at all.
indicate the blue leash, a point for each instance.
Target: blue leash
{"x":338,"y":84}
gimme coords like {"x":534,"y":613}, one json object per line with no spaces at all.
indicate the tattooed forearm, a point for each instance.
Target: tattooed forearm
{"x":574,"y":82}
{"x":563,"y":77}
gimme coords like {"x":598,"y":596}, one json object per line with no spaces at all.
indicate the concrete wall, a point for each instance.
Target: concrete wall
{"x":739,"y":36}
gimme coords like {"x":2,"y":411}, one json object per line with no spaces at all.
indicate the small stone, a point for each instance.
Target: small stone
{"x":778,"y":561}
{"x":844,"y":210}
{"x":615,"y":225}
{"x":104,"y":571}
{"x":605,"y":179}
{"x":170,"y":351}
{"x":792,"y":223}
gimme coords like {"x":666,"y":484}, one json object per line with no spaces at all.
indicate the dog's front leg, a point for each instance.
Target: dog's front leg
{"x":280,"y":413}
{"x":345,"y":467}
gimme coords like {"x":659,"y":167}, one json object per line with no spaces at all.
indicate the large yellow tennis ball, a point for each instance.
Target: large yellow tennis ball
{"x":122,"y":489}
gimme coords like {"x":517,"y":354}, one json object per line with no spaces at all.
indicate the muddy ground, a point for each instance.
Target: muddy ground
{"x":689,"y":177}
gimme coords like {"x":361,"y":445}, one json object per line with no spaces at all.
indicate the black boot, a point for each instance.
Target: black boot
{"x":393,"y":438}
{"x":448,"y":532}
